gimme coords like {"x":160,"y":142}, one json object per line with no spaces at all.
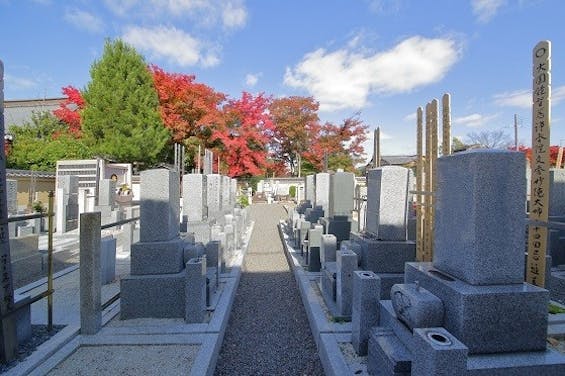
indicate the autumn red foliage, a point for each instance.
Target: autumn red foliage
{"x":296,"y":126}
{"x":340,"y":143}
{"x":69,"y":110}
{"x":187,"y":108}
{"x":244,"y":135}
{"x":553,"y":152}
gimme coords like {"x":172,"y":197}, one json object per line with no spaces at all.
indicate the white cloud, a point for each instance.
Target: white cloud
{"x":171,"y":43}
{"x":518,"y":98}
{"x":210,"y":13}
{"x":523,"y":98}
{"x":19,"y":83}
{"x":485,"y":10}
{"x":344,"y":78}
{"x":558,"y":94}
{"x":234,"y":15}
{"x":410,"y":117}
{"x":121,"y":8}
{"x":84,"y":20}
{"x":474,"y":120}
{"x":251,"y":79}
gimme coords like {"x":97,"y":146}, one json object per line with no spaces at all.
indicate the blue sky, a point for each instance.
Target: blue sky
{"x":382,"y":58}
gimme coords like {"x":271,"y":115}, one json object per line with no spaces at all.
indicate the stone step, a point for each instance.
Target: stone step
{"x":387,"y":354}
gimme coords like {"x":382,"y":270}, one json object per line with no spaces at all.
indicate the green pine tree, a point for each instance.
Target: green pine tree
{"x":121,"y":120}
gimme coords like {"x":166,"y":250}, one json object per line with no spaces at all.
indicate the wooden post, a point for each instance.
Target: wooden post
{"x":8,"y":337}
{"x":419,"y":187}
{"x":428,"y":188}
{"x":537,"y":235}
{"x":378,"y":147}
{"x":446,"y":124}
{"x":433,"y":177}
{"x":559,"y":161}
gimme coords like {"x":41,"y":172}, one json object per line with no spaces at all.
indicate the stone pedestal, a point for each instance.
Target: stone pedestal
{"x":365,"y":310}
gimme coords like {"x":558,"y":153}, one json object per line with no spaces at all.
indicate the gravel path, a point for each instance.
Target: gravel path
{"x":268,"y":331}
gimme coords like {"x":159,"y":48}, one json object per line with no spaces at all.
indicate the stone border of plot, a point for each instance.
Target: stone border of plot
{"x":327,"y":335}
{"x":209,"y":336}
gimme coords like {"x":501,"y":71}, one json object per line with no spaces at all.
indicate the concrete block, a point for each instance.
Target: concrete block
{"x":387,"y":355}
{"x":328,"y":248}
{"x":346,"y":265}
{"x":365,"y":308}
{"x":195,"y":291}
{"x":438,"y":353}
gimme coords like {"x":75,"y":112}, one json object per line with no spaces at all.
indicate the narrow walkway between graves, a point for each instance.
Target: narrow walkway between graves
{"x":268,"y":331}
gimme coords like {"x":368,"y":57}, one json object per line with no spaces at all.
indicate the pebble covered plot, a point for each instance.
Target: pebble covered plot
{"x":268,"y":331}
{"x":130,"y":360}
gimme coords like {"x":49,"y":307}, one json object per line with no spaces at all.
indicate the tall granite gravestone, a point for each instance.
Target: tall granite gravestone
{"x":12,"y":196}
{"x":384,"y":244}
{"x":233,"y":192}
{"x":225,"y":194}
{"x":208,"y":162}
{"x":213,"y":195}
{"x":338,"y":218}
{"x":468,"y":312}
{"x":157,"y":286}
{"x":322,"y":187}
{"x":67,"y":203}
{"x":310,"y":189}
{"x":107,"y":201}
{"x":194,"y":197}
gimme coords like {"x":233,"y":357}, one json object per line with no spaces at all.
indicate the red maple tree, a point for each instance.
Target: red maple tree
{"x":188,"y":108}
{"x":69,"y":110}
{"x":244,"y":135}
{"x":296,"y":126}
{"x":342,"y":144}
{"x":553,"y":152}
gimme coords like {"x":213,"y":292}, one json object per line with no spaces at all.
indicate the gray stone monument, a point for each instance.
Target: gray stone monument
{"x":194,"y":197}
{"x":12,"y":196}
{"x":158,"y":285}
{"x":384,"y":245}
{"x":387,"y":202}
{"x":322,"y":188}
{"x":365,"y":309}
{"x":213,"y":195}
{"x":67,"y":203}
{"x":471,"y":332}
{"x":310,"y":188}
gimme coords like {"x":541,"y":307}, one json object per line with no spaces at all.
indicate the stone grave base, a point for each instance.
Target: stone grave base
{"x":157,"y":296}
{"x":384,"y":256}
{"x":157,"y":257}
{"x":392,"y":350}
{"x":518,"y":310}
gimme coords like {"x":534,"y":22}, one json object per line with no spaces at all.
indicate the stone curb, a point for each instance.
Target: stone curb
{"x":327,"y":334}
